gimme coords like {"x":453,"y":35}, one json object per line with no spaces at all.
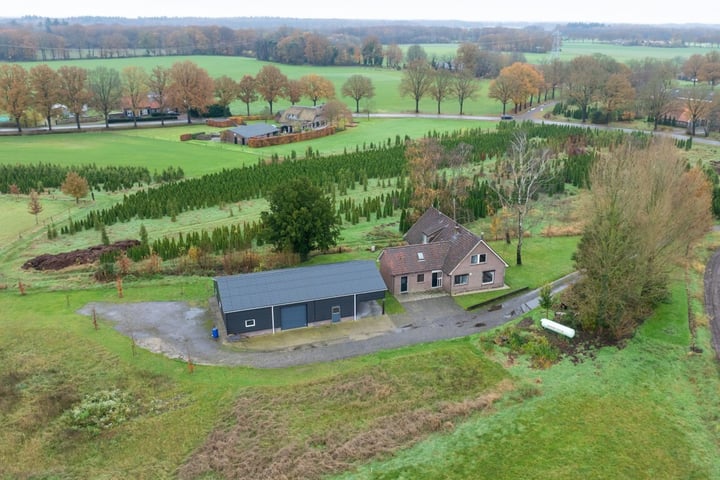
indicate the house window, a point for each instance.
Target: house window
{"x":478,"y":258}
{"x":462,"y":279}
{"x":420,"y":278}
{"x":250,"y":323}
{"x":488,"y":276}
{"x":421,"y":256}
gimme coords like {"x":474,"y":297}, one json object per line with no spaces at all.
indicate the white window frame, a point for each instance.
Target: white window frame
{"x":492,"y":274}
{"x":462,"y":276}
{"x":439,"y":278}
{"x":249,"y":323}
{"x":476,"y":260}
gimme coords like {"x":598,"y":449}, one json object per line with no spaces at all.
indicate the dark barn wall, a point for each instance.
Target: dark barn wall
{"x":323,"y":308}
{"x":235,"y":321}
{"x":366,"y":297}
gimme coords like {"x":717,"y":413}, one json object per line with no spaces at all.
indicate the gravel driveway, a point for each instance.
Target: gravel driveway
{"x":177,"y":329}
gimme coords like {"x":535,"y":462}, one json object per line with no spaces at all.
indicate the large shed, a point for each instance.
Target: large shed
{"x":296,"y":297}
{"x":240,"y":135}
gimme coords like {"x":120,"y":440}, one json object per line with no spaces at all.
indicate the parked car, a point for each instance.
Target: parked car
{"x":506,"y":117}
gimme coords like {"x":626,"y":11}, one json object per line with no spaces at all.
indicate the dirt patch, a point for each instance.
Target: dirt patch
{"x":82,"y":256}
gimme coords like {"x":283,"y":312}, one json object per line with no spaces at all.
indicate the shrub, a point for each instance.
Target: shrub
{"x":100,"y":411}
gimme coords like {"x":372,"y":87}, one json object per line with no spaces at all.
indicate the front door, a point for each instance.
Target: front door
{"x":436,"y":279}
{"x":403,"y":284}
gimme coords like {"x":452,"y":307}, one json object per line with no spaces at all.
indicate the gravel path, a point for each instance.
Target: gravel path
{"x":712,"y":299}
{"x":176,"y":330}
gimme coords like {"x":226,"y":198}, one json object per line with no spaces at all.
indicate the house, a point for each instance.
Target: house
{"x":296,"y":297}
{"x":441,"y":255}
{"x":298,"y":118}
{"x":240,"y":135}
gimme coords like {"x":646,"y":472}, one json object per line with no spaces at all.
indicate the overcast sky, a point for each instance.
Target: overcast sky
{"x":612,"y":11}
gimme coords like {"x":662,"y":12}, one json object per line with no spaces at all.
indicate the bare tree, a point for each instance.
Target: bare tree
{"x":73,"y":90}
{"x":226,"y":91}
{"x":465,"y":87}
{"x":135,"y":88}
{"x":358,"y":87}
{"x":158,"y":83}
{"x":698,"y":102}
{"x":519,"y":180}
{"x":105,"y":90}
{"x":246,"y":91}
{"x":440,"y":86}
{"x":416,"y":81}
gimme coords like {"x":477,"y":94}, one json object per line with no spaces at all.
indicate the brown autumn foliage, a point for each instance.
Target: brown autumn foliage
{"x":15,"y":93}
{"x":270,"y":84}
{"x":75,"y":186}
{"x":190,"y":88}
{"x":258,"y":439}
{"x":644,"y":213}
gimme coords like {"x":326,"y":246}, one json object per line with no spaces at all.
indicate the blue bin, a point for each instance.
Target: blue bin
{"x":215,"y":333}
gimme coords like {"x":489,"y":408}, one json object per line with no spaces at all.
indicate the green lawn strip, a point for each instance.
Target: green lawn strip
{"x":645,"y":411}
{"x":545,"y":259}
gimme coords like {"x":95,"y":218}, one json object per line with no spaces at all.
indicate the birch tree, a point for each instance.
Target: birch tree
{"x":519,"y":179}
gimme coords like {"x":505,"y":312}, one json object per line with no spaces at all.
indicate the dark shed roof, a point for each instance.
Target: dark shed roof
{"x":254,"y":130}
{"x":295,"y":285}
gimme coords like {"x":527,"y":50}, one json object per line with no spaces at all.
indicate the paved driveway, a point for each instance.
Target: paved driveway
{"x":176,"y":329}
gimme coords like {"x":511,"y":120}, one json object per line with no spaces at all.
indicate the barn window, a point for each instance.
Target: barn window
{"x":420,"y":278}
{"x":250,"y":323}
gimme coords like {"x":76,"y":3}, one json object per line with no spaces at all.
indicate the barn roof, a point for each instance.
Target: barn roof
{"x":254,"y":130}
{"x":295,"y":285}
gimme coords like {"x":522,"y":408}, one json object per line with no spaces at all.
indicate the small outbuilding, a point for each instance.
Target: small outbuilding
{"x":296,"y":297}
{"x":240,"y":135}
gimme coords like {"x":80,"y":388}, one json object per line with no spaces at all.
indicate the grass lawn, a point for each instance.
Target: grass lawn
{"x":544,"y":260}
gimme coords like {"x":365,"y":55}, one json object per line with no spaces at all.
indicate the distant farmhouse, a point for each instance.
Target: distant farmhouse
{"x":298,"y":118}
{"x":441,"y":255}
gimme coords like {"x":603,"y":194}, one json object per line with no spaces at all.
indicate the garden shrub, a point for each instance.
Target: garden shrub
{"x":100,"y":411}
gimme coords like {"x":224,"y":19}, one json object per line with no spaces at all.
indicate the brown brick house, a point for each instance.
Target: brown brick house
{"x":441,"y":255}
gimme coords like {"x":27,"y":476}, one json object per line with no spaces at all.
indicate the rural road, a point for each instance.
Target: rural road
{"x":712,"y":299}
{"x":177,"y":330}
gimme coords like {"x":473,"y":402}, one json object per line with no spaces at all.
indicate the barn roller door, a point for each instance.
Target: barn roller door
{"x":294,"y":316}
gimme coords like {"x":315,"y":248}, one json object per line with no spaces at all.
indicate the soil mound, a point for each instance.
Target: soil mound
{"x":82,"y":256}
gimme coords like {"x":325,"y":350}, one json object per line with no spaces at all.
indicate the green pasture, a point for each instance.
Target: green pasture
{"x":386,"y":81}
{"x":160,"y":148}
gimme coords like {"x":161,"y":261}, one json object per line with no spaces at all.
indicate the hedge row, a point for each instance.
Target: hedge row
{"x":290,"y":138}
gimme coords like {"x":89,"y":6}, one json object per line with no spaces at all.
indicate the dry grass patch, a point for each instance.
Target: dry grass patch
{"x":324,"y":427}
